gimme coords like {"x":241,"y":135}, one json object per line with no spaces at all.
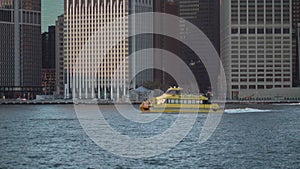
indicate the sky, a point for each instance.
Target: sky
{"x":51,"y":9}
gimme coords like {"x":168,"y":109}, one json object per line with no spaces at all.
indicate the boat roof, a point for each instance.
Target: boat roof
{"x":175,"y":88}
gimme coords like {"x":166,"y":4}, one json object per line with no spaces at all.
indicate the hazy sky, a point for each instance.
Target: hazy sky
{"x":50,"y":10}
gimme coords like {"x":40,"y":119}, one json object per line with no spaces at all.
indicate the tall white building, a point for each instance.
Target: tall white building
{"x":96,"y":48}
{"x":256,"y":47}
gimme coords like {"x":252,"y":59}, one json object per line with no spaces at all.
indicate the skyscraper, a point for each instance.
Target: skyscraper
{"x":96,"y":48}
{"x":20,"y":48}
{"x":296,"y":59}
{"x":48,"y":48}
{"x":59,"y":56}
{"x":298,"y":40}
{"x":205,"y":15}
{"x":164,"y":42}
{"x":140,"y":42}
{"x":48,"y":61}
{"x":257,"y":48}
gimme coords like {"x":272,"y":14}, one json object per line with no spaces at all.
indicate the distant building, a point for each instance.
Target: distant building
{"x":296,"y":59}
{"x":48,"y":81}
{"x":164,"y":42}
{"x":96,"y":49}
{"x":256,"y":38}
{"x":298,"y":40}
{"x":48,"y":61}
{"x":48,"y":48}
{"x":20,"y":48}
{"x":59,"y":56}
{"x":205,"y":14}
{"x":140,"y":42}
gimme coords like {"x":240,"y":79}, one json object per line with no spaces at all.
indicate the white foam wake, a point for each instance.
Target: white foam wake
{"x":287,"y":104}
{"x":244,"y":110}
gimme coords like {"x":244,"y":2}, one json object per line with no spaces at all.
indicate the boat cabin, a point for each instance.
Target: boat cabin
{"x":174,"y":91}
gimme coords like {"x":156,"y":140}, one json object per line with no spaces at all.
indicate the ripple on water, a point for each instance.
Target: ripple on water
{"x":51,"y":137}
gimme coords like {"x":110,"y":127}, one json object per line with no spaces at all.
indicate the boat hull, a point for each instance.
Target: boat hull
{"x":181,"y":108}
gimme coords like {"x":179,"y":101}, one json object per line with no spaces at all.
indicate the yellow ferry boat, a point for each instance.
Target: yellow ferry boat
{"x":173,"y":101}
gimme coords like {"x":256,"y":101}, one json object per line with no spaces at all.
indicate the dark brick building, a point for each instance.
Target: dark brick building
{"x":20,"y":48}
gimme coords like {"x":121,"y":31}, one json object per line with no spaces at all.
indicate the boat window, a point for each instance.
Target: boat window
{"x":173,"y":92}
{"x":172,"y":101}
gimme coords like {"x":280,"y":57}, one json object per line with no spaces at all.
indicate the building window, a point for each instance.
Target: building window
{"x":278,"y":31}
{"x":243,"y":31}
{"x":234,"y":31}
{"x":251,"y":31}
{"x":235,"y":87}
{"x":269,"y":31}
{"x":252,"y":87}
{"x":286,"y":30}
{"x":243,"y":86}
{"x":260,"y":86}
{"x":260,"y":31}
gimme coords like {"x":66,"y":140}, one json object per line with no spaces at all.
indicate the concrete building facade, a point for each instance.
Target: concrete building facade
{"x":256,"y":46}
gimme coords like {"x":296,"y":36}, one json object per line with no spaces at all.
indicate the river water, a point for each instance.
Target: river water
{"x":248,"y":136}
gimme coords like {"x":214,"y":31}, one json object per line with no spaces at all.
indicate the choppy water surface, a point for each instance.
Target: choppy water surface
{"x":249,"y":136}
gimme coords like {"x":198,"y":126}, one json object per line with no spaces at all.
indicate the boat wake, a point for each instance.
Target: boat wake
{"x":287,"y":104}
{"x":245,"y":110}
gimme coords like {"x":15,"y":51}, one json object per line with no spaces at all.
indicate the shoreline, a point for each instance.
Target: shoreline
{"x":109,"y":102}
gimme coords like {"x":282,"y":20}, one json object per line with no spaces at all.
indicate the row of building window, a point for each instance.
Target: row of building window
{"x":260,"y":31}
{"x":259,"y":70}
{"x":260,"y":37}
{"x":259,"y":86}
{"x":261,"y":80}
{"x":261,"y":75}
